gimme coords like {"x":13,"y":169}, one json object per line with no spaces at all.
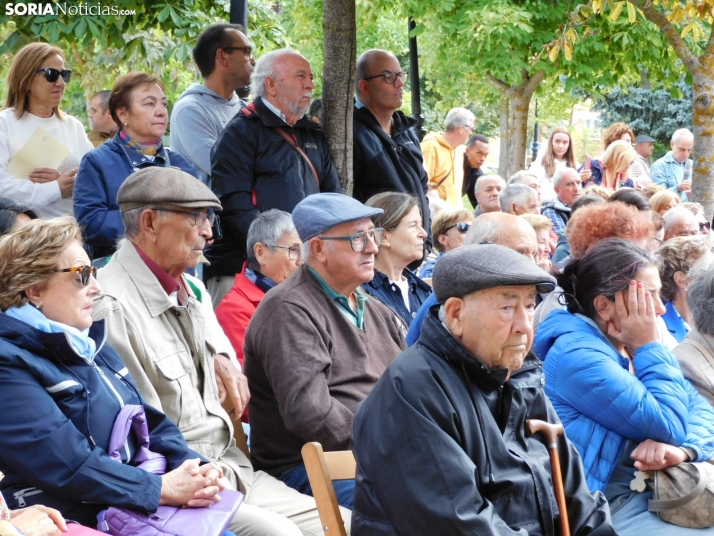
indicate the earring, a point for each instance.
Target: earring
{"x":38,"y":306}
{"x":126,"y":124}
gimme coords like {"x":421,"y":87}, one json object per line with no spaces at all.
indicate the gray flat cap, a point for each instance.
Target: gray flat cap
{"x":165,"y":185}
{"x":481,"y":266}
{"x":643,"y":138}
{"x":318,"y":212}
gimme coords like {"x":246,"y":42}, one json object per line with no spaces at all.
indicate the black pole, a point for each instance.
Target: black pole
{"x":239,"y":13}
{"x":535,"y":146}
{"x":414,"y":77}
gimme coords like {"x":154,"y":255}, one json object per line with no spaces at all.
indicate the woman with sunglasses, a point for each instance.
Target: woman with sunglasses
{"x":36,"y":83}
{"x":138,"y":106}
{"x":403,"y":243}
{"x":63,"y":387}
{"x":449,"y":228}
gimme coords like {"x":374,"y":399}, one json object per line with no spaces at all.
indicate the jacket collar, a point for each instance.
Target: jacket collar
{"x":400,"y":122}
{"x":257,"y":110}
{"x":381,"y":280}
{"x":135,"y":157}
{"x":246,"y":287}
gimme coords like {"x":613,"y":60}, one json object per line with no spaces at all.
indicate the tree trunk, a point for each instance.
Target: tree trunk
{"x":340,"y":46}
{"x":504,"y":133}
{"x":520,"y":103}
{"x":703,"y":119}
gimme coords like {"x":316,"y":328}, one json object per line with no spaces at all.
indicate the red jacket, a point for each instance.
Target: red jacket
{"x":236,"y":310}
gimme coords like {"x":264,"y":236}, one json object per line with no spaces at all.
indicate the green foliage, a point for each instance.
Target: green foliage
{"x":655,"y":113}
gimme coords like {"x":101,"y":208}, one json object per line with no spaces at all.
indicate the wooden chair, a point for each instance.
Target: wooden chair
{"x":322,"y":469}
{"x":427,"y":280}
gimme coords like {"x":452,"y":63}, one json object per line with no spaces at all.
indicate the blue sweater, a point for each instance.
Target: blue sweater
{"x":601,"y":404}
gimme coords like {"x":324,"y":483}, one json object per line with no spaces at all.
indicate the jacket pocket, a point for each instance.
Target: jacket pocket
{"x":179,"y":399}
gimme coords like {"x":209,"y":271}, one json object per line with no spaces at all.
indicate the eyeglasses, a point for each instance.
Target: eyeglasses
{"x":52,"y":75}
{"x":84,"y":272}
{"x":461,"y":226}
{"x":471,"y":129}
{"x":294,"y":252}
{"x":705,"y":225}
{"x":358,"y":241}
{"x":390,"y":77}
{"x":199,"y":218}
{"x":247,"y":51}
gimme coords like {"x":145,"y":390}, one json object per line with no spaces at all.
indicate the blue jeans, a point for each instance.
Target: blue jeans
{"x":296,"y":478}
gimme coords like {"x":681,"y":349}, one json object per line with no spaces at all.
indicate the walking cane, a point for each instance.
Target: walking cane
{"x":551,"y":433}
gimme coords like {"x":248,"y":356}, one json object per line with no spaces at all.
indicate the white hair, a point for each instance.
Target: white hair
{"x":482,"y":178}
{"x":675,"y":215}
{"x":265,"y":67}
{"x":519,"y":194}
{"x":681,"y":132}
{"x":482,"y":230}
{"x":457,"y":117}
{"x":560,"y":173}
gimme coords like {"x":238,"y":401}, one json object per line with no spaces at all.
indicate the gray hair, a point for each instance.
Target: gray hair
{"x":560,"y":174}
{"x":457,"y":117}
{"x":268,"y":229}
{"x":482,"y":230}
{"x":700,"y":295}
{"x":265,"y":67}
{"x":520,"y":175}
{"x":681,"y":132}
{"x":519,"y":194}
{"x":132,"y":220}
{"x":482,"y":178}
{"x":675,"y":215}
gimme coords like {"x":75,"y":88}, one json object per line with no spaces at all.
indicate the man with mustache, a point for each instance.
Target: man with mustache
{"x":387,"y":156}
{"x":269,"y":156}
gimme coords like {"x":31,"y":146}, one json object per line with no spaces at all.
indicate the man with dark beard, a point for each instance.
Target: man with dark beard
{"x":269,"y":156}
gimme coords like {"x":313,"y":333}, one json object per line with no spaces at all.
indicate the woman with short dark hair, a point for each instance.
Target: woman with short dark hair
{"x":619,"y":391}
{"x":138,"y":106}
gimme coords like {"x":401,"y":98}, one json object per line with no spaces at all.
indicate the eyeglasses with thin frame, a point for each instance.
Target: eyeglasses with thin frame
{"x":390,"y":77}
{"x":294,"y":252}
{"x":199,"y":218}
{"x":463,"y":227}
{"x":358,"y":241}
{"x":52,"y":75}
{"x":470,"y":127}
{"x":84,"y":273}
{"x":247,"y":50}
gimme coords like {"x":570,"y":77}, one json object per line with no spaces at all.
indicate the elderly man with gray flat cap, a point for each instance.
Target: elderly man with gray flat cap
{"x":164,"y":329}
{"x":317,"y":344}
{"x":441,"y":442}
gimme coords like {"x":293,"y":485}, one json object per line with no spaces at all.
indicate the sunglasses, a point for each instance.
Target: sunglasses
{"x":705,"y":225}
{"x":84,"y":272}
{"x":52,"y":75}
{"x":461,"y":226}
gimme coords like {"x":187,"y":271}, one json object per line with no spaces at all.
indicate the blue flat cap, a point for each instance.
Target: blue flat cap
{"x":319,"y":212}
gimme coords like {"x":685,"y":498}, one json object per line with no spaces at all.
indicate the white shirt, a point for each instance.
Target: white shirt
{"x":14,"y":133}
{"x":403,"y":286}
{"x":547,"y":192}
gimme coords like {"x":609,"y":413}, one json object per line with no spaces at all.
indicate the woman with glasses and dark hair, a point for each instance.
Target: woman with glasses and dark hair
{"x":36,"y":83}
{"x":63,"y":388}
{"x":618,"y":391}
{"x":274,"y":252}
{"x":449,"y":228}
{"x":138,"y":106}
{"x":403,"y":243}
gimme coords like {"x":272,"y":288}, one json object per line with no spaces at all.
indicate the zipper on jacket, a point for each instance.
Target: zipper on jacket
{"x":109,"y":383}
{"x":27,"y":492}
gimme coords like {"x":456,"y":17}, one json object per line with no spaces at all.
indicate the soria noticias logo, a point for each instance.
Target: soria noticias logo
{"x":63,"y":8}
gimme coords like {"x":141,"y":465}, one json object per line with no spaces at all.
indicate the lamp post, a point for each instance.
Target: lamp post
{"x":414,"y":77}
{"x":239,"y":15}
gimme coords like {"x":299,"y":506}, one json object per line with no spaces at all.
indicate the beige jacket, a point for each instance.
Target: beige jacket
{"x":169,"y":352}
{"x":696,"y":358}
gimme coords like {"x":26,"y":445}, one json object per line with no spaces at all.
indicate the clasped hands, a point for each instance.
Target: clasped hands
{"x":193,"y":485}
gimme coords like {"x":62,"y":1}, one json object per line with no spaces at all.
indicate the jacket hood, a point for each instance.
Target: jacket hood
{"x":201,"y":90}
{"x":558,"y":323}
{"x":556,"y":204}
{"x":439,"y":138}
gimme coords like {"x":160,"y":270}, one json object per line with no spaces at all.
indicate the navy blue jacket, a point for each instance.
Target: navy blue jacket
{"x":391,"y":296}
{"x":101,"y":174}
{"x":384,"y":163}
{"x":56,"y":418}
{"x":441,"y":448}
{"x":254,"y":169}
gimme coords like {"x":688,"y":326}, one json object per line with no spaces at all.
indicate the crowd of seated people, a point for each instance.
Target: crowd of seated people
{"x":310,"y":322}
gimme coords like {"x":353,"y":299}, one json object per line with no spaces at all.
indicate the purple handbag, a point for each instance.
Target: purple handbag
{"x":167,"y":520}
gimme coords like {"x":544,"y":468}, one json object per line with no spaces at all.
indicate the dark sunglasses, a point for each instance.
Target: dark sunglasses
{"x":52,"y":75}
{"x":84,"y":272}
{"x":461,"y":226}
{"x":705,"y":225}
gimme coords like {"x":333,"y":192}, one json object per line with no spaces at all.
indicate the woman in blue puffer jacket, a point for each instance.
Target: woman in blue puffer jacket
{"x":618,"y":391}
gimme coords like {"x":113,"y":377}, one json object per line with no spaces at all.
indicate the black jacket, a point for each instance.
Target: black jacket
{"x":391,"y":296}
{"x":255,"y":169}
{"x":468,"y":187}
{"x":441,"y":448}
{"x":384,"y":163}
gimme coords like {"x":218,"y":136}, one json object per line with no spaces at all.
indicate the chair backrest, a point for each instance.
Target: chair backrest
{"x":322,"y":469}
{"x":427,"y":280}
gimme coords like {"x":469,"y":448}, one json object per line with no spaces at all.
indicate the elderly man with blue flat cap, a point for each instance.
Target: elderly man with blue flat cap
{"x":317,"y":345}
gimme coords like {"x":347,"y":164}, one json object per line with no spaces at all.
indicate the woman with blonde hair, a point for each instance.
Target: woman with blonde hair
{"x":664,"y":200}
{"x":36,"y":83}
{"x":612,"y":171}
{"x":559,"y":153}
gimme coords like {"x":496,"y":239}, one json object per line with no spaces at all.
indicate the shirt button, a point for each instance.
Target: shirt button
{"x":542,"y":381}
{"x":177,"y":312}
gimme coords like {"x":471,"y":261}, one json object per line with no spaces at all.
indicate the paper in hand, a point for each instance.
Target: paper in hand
{"x":40,"y":151}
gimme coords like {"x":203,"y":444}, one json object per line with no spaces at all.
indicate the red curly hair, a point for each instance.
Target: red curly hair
{"x":593,"y":223}
{"x":615,"y":132}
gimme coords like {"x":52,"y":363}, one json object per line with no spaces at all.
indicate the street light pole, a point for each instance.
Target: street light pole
{"x":414,"y":77}
{"x":239,"y":13}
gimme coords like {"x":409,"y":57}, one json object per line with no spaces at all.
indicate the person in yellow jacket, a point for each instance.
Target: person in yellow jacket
{"x":443,"y":156}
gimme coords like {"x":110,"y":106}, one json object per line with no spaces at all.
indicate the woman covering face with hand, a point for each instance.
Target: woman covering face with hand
{"x":36,"y":83}
{"x":63,"y":388}
{"x":138,"y":106}
{"x":619,"y":391}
